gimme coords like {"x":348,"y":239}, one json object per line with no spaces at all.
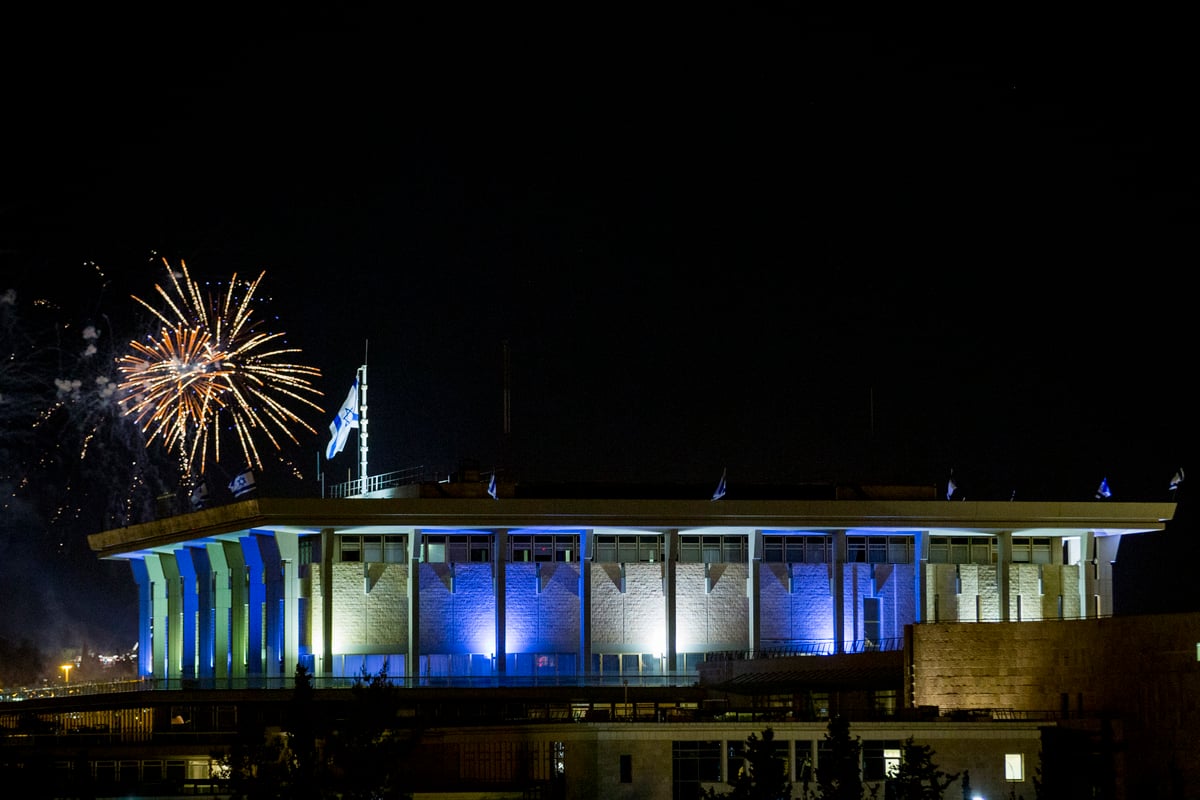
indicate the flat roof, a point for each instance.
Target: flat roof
{"x":399,"y":515}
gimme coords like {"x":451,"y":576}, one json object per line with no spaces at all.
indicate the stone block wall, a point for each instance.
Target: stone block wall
{"x":711,"y":620}
{"x":542,"y":607}
{"x":458,"y":608}
{"x":633,"y":620}
{"x":370,"y":607}
{"x":1142,"y":671}
{"x":806,"y":613}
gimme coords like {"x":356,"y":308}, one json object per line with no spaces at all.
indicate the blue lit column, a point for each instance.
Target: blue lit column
{"x":145,"y":603}
{"x":837,"y":586}
{"x":255,"y":598}
{"x":202,"y":620}
{"x":920,"y":563}
{"x":500,"y":558}
{"x":585,"y":602}
{"x":325,"y":657}
{"x":412,"y":660}
{"x":184,"y":559}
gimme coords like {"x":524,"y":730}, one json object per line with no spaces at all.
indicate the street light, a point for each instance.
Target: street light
{"x":66,"y":668}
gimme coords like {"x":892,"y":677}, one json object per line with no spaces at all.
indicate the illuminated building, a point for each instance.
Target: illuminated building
{"x":693,"y":605}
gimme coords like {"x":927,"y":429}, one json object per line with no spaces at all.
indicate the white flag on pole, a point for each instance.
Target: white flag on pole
{"x":492,"y":487}
{"x":347,"y":418}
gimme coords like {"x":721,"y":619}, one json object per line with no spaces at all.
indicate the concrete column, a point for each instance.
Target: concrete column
{"x":499,"y":591}
{"x":160,"y":614}
{"x":670,"y":559}
{"x":238,"y":601}
{"x":174,"y":616}
{"x":754,"y":591}
{"x":289,"y":554}
{"x":255,"y":598}
{"x":188,"y":607}
{"x":1089,"y":575}
{"x":837,"y":587}
{"x":145,"y":604}
{"x":328,"y":551}
{"x":222,"y":611}
{"x":586,"y":545}
{"x":1003,"y":573}
{"x":920,"y":581}
{"x":412,"y":659}
{"x":202,"y":620}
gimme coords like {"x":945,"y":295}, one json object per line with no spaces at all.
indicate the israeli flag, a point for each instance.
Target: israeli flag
{"x":720,"y":492}
{"x":347,"y":418}
{"x":492,"y":486}
{"x":1103,"y":491}
{"x":951,"y":488}
{"x":242,"y":484}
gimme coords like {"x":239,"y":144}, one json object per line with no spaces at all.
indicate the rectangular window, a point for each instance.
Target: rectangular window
{"x":875,"y":758}
{"x":797,"y":549}
{"x":372,"y":549}
{"x":628,"y":549}
{"x":542,"y":547}
{"x":962,"y":549}
{"x":457,"y":548}
{"x":877,"y":550}
{"x":900,"y":549}
{"x":856,"y":549}
{"x":872,"y":622}
{"x":1041,"y":550}
{"x":606,"y":549}
{"x":626,"y":768}
{"x":694,"y":763}
{"x":712,"y":549}
{"x":351,"y":548}
{"x":1014,"y":767}
{"x":395,"y":549}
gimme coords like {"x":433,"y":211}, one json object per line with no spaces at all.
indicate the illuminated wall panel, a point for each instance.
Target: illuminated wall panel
{"x":458,"y":608}
{"x":542,"y":608}
{"x":804,"y":614}
{"x":711,"y":607}
{"x":632,"y":621}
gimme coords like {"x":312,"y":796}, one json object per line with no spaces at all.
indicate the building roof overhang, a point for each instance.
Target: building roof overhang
{"x":363,"y":515}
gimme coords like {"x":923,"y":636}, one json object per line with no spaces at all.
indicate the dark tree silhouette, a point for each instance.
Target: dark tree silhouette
{"x":918,"y":777}
{"x":763,"y":774}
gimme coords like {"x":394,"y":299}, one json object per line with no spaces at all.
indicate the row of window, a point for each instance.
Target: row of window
{"x":697,"y":762}
{"x":986,"y":550}
{"x":693,"y":549}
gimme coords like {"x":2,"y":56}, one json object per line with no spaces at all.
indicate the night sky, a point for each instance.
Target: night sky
{"x":796,"y":249}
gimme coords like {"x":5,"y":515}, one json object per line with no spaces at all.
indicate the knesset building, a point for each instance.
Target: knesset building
{"x":440,"y":582}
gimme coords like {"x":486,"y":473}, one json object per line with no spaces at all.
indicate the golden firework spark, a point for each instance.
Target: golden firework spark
{"x":207,"y":360}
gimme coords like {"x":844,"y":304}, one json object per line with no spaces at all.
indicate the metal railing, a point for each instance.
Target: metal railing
{"x":357,"y":487}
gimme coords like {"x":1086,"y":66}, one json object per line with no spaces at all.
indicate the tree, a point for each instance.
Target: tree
{"x":918,"y":777}
{"x":839,"y":770}
{"x":764,"y":774}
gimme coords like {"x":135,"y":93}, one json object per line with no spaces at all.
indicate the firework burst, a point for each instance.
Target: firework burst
{"x":207,"y":369}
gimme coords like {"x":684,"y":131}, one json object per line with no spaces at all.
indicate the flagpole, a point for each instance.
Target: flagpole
{"x":362,"y":422}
